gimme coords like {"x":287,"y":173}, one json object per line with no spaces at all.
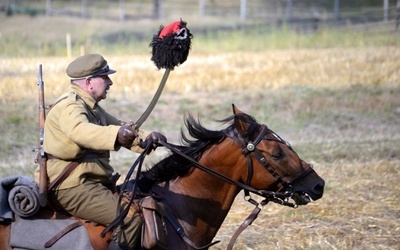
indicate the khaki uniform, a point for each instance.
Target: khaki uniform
{"x":75,"y":126}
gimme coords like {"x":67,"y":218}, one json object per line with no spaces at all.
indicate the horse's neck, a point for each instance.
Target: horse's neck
{"x":201,"y":201}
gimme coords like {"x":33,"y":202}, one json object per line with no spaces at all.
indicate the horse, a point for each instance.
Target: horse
{"x":199,"y":180}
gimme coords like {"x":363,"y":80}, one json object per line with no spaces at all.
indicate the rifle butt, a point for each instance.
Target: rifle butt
{"x":43,"y":183}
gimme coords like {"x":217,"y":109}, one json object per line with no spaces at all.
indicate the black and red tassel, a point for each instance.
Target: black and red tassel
{"x":170,"y":47}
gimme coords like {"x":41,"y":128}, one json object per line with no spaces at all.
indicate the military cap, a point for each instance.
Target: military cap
{"x":89,"y":65}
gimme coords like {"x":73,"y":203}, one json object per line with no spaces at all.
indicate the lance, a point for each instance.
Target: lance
{"x":170,"y":48}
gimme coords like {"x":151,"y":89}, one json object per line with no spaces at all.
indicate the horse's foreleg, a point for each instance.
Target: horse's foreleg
{"x":5,"y":236}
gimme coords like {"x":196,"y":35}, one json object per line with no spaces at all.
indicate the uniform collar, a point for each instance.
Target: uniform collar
{"x":88,"y":99}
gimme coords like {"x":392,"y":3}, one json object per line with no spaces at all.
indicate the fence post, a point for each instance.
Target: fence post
{"x":82,"y":50}
{"x":158,"y":11}
{"x":84,"y":8}
{"x":385,"y":10}
{"x":398,"y":14}
{"x":243,"y":6}
{"x":68,"y":40}
{"x":121,"y":10}
{"x":336,"y":10}
{"x":202,"y":5}
{"x":48,"y":7}
{"x":289,"y":5}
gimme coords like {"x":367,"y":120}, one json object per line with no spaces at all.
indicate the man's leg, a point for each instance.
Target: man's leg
{"x":93,"y":201}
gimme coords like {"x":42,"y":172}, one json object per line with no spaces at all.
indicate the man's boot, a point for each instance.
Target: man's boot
{"x":114,"y":246}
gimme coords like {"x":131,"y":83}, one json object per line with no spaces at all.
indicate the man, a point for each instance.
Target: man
{"x":79,"y":131}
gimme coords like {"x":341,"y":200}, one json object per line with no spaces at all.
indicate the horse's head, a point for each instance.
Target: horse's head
{"x":275,"y":165}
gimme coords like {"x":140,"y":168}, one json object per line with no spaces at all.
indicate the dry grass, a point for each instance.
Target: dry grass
{"x":332,"y":68}
{"x":339,"y":108}
{"x":357,"y":212}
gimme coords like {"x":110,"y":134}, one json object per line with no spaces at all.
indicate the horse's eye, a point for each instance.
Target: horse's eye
{"x":277,"y":155}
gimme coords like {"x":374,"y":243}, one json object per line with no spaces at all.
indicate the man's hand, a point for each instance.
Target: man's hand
{"x":155,"y":138}
{"x":126,"y":136}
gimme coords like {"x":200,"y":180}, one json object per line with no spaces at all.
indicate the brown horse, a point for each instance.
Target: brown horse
{"x":246,"y":152}
{"x":199,"y":181}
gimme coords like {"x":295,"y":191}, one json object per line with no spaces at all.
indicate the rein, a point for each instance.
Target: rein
{"x":248,"y":147}
{"x":122,"y":214}
{"x":279,"y":197}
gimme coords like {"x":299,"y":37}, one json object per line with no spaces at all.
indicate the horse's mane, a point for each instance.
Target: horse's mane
{"x":201,"y":138}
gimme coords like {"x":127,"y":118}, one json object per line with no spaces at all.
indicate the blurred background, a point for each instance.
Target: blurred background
{"x":85,"y":25}
{"x":323,"y":74}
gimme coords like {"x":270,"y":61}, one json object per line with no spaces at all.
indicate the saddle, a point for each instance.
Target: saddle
{"x":52,"y":220}
{"x":153,"y":233}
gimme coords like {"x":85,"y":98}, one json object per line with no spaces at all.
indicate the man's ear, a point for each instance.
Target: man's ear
{"x":88,"y":83}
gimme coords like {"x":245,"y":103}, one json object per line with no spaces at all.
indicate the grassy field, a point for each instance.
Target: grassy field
{"x":338,"y":107}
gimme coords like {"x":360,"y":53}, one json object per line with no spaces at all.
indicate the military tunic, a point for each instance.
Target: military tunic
{"x":77,"y":125}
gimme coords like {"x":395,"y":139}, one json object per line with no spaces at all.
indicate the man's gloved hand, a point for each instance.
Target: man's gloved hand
{"x":155,"y":138}
{"x":126,"y":136}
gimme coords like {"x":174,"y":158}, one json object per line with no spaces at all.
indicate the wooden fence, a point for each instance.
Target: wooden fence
{"x":310,"y":14}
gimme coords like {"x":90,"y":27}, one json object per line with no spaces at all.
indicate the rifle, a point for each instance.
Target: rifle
{"x":41,"y":158}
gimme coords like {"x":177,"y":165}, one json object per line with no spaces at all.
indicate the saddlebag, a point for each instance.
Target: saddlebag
{"x":154,"y":231}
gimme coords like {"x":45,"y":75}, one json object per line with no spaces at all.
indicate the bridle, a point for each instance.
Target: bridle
{"x":249,"y":147}
{"x":282,"y":196}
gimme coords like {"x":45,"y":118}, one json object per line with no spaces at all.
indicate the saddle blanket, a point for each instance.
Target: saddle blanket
{"x":33,"y":233}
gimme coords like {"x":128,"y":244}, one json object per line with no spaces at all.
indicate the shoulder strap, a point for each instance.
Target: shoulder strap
{"x":57,"y":101}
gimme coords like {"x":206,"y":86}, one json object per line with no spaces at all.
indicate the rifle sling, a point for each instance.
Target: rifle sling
{"x":67,"y":170}
{"x":72,"y":165}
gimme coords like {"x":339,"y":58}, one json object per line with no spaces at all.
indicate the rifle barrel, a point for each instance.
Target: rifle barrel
{"x":42,"y":158}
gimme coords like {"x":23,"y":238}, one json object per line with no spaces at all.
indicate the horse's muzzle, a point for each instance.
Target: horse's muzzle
{"x":310,"y":187}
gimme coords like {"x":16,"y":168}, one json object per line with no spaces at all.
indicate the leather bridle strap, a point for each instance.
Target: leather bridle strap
{"x":270,"y":195}
{"x":122,"y":214}
{"x":248,"y":147}
{"x":212,"y":172}
{"x":243,"y":226}
{"x":259,"y":156}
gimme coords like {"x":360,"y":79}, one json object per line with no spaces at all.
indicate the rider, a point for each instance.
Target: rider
{"x":77,"y":129}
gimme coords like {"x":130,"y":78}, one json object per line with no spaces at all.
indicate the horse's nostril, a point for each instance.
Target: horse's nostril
{"x":319,"y":188}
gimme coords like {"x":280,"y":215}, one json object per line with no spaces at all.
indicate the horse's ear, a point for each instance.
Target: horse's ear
{"x":236,"y":110}
{"x":240,"y":125}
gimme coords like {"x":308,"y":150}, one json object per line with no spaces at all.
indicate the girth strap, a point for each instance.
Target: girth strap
{"x":181,"y":232}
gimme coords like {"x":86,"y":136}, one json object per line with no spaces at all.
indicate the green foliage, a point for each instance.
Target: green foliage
{"x":30,"y":37}
{"x":14,"y":9}
{"x":263,"y":38}
{"x":364,"y":3}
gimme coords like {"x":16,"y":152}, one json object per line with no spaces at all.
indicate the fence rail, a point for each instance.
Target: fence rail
{"x":302,"y":15}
